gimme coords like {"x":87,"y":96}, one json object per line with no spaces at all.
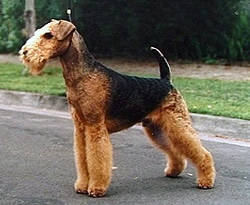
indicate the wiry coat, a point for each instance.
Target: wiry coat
{"x":103,"y":101}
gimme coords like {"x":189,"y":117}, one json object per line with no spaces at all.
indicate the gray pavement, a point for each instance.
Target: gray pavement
{"x":37,"y":165}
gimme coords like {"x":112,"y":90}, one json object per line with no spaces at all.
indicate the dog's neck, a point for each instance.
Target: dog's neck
{"x":77,"y":60}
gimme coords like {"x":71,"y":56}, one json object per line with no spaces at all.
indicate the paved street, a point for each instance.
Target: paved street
{"x":37,"y":166}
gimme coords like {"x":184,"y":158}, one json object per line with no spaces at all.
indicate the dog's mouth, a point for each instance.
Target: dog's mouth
{"x":35,"y":63}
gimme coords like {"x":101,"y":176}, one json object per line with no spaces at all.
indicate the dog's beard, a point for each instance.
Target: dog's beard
{"x":34,"y":62}
{"x":35,"y":68}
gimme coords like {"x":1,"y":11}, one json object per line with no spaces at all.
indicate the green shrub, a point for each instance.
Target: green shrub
{"x":193,"y":30}
{"x":11,"y":24}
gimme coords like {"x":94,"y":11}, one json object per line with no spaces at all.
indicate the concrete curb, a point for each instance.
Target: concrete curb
{"x":33,"y":100}
{"x":222,"y":126}
{"x":219,"y":126}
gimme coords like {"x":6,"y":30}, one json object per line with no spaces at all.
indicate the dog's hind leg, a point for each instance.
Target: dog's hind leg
{"x":176,"y":124}
{"x":171,"y":129}
{"x":176,"y":162}
{"x":186,"y":142}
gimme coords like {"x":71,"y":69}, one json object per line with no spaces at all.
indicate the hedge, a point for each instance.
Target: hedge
{"x":192,"y":30}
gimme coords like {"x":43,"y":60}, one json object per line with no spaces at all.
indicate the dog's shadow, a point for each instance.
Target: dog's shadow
{"x":150,"y":186}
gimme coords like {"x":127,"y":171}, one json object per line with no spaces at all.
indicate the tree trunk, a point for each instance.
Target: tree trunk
{"x":30,"y":18}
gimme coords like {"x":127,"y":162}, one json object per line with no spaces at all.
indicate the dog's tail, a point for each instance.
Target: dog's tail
{"x":165,"y":70}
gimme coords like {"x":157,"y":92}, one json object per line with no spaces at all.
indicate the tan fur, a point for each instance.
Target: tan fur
{"x":168,"y":125}
{"x":182,"y":141}
{"x":36,"y":58}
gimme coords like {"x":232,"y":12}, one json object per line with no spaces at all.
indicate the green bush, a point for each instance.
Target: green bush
{"x":195,"y":30}
{"x":238,"y":41}
{"x":11,"y":24}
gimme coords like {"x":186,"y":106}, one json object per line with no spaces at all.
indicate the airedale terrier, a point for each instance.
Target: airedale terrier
{"x":103,"y":101}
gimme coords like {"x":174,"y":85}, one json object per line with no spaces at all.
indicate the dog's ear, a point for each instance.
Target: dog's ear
{"x":62,"y":29}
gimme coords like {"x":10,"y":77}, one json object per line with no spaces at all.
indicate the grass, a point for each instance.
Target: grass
{"x":216,"y":97}
{"x":14,"y":77}
{"x":206,"y":96}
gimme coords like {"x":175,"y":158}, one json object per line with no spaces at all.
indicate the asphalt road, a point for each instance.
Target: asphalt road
{"x":37,"y":166}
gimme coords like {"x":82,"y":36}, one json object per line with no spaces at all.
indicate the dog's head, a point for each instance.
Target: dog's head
{"x":49,"y":41}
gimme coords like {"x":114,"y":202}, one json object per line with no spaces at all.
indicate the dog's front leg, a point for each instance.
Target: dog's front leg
{"x":99,"y":159}
{"x":82,"y":181}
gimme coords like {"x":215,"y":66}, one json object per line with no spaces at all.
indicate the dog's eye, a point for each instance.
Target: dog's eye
{"x":48,"y":35}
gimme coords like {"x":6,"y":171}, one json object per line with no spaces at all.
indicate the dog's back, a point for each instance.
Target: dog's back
{"x":132,"y":98}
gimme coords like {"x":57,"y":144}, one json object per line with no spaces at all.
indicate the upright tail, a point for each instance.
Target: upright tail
{"x":165,"y":70}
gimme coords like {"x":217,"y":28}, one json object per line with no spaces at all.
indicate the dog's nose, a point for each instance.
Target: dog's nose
{"x":25,"y":52}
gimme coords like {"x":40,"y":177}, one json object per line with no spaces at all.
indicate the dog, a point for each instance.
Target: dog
{"x":103,"y":101}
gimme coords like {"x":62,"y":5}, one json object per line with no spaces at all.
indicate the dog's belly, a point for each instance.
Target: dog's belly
{"x":118,"y":125}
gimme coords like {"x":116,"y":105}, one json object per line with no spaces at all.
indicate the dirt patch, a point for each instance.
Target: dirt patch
{"x":150,"y":67}
{"x":9,"y":58}
{"x":193,"y":70}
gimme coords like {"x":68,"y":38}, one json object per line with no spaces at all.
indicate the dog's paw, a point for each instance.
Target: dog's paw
{"x":97,"y":192}
{"x":205,"y":183}
{"x":172,"y":173}
{"x":80,"y":187}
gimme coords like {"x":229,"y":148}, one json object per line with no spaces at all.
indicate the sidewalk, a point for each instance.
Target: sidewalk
{"x":219,"y":126}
